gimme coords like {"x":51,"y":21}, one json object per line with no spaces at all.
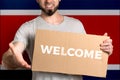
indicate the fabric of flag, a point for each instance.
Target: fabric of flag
{"x":97,"y":16}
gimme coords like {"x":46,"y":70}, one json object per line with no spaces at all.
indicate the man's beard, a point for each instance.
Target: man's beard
{"x":50,"y":12}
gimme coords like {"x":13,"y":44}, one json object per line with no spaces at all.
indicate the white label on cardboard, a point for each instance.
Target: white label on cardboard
{"x":71,"y":52}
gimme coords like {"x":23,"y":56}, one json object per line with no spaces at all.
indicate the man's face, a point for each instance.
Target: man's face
{"x":49,"y":7}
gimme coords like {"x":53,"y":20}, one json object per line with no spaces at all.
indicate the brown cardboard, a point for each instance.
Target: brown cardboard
{"x":76,"y":62}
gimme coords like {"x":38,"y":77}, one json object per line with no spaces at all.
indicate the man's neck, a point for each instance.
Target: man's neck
{"x":55,"y":19}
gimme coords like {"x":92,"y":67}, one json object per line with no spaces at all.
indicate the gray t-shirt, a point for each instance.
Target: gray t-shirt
{"x":26,"y":34}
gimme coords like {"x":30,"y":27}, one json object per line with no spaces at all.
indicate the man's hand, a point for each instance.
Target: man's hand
{"x":18,"y":57}
{"x":107,"y":46}
{"x":13,"y":58}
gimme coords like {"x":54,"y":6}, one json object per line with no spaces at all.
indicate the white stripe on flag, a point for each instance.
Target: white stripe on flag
{"x":63,"y":12}
{"x":114,"y":67}
{"x":110,"y":67}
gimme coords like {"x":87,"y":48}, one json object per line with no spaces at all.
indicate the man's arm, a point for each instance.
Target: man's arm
{"x":13,"y":57}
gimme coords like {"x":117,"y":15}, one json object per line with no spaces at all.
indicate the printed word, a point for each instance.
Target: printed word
{"x":57,"y":50}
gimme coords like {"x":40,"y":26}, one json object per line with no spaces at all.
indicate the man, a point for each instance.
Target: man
{"x":49,"y":19}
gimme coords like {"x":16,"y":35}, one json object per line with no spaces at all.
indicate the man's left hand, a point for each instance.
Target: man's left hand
{"x":107,"y":46}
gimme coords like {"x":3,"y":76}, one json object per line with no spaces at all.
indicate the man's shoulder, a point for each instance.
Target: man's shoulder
{"x":72,"y":19}
{"x":32,"y":21}
{"x":29,"y":24}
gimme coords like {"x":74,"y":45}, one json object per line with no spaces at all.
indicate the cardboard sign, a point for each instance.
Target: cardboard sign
{"x":69,"y":53}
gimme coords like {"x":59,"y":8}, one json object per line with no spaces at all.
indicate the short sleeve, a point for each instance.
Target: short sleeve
{"x":82,"y":29}
{"x":22,"y":35}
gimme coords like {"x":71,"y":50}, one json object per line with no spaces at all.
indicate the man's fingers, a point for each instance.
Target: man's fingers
{"x":11,"y":45}
{"x":107,"y":42}
{"x":28,"y":66}
{"x":24,"y":64}
{"x":106,"y":34}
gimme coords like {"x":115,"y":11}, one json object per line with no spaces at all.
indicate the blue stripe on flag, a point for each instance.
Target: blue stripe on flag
{"x":27,"y":75}
{"x":65,"y":4}
{"x":111,"y":75}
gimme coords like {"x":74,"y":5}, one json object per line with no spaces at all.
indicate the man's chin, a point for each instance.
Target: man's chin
{"x":50,"y":12}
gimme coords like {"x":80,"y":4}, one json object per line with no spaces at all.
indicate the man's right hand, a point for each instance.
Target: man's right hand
{"x":17,"y":60}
